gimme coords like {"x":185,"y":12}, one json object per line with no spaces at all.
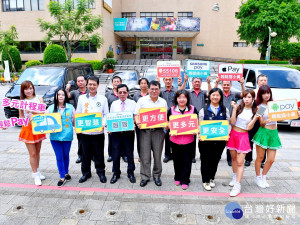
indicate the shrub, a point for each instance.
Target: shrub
{"x":33,"y":63}
{"x":261,"y":62}
{"x":110,"y":54}
{"x":96,"y":64}
{"x":54,"y":54}
{"x":15,"y":56}
{"x":109,"y":63}
{"x":79,"y":60}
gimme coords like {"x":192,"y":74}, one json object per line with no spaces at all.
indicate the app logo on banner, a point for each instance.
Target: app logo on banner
{"x":283,"y":110}
{"x":230,"y":72}
{"x":198,"y":68}
{"x":88,"y":122}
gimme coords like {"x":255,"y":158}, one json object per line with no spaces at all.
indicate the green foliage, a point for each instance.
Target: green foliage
{"x":54,"y":54}
{"x":248,"y":61}
{"x":110,"y":54}
{"x":11,"y":53}
{"x":283,"y":16}
{"x":33,"y":63}
{"x":75,"y":23}
{"x":109,"y":63}
{"x":286,"y":51}
{"x":293,"y":67}
{"x":96,"y":64}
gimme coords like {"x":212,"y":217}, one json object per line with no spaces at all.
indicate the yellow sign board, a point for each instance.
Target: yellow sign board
{"x":183,"y":124}
{"x":46,"y":123}
{"x":214,"y":130}
{"x":88,"y":122}
{"x":153,"y":118}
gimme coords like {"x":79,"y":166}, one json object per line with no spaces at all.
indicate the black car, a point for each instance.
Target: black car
{"x":46,"y":80}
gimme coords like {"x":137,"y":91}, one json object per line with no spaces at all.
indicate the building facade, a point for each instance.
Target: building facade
{"x":142,"y":29}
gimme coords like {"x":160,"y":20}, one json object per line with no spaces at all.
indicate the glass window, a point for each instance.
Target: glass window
{"x":34,"y":5}
{"x":240,"y":44}
{"x":282,"y":78}
{"x":128,"y":15}
{"x":156,"y":14}
{"x":185,"y":14}
{"x":22,"y":5}
{"x":184,"y":47}
{"x":13,"y":5}
{"x":27,"y":5}
{"x":41,"y":5}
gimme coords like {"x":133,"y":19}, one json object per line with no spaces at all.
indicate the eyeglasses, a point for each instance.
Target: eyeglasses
{"x":122,"y":92}
{"x":154,"y":89}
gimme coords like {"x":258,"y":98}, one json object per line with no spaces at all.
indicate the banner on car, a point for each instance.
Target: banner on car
{"x":230,"y":71}
{"x":88,"y":122}
{"x":168,"y":68}
{"x":183,"y":124}
{"x":119,"y":121}
{"x":214,"y":130}
{"x":153,"y":118}
{"x":198,"y":68}
{"x":46,"y":123}
{"x":283,"y":110}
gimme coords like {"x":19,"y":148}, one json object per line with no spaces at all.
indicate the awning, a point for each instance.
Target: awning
{"x":180,"y":34}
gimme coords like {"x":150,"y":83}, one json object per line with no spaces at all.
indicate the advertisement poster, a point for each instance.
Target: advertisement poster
{"x":121,"y":121}
{"x":153,"y":118}
{"x":198,"y":68}
{"x":230,"y":72}
{"x":138,"y":24}
{"x":46,"y":123}
{"x":188,"y":24}
{"x":214,"y":130}
{"x":183,"y":124}
{"x":283,"y":110}
{"x":88,"y":122}
{"x":163,"y":24}
{"x":168,"y":68}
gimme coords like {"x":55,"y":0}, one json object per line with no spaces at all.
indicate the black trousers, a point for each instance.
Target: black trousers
{"x":79,"y":152}
{"x":122,"y":141}
{"x":194,"y":143}
{"x":93,"y":145}
{"x":210,"y":155}
{"x":182,"y":161}
{"x":138,"y":131}
{"x":168,"y":144}
{"x":110,"y":147}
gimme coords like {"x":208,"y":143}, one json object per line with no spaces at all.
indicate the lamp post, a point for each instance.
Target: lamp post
{"x":271,"y":34}
{"x":66,"y":39}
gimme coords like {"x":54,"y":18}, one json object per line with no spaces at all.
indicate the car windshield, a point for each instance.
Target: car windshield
{"x":42,"y":76}
{"x":282,"y":78}
{"x":129,"y":78}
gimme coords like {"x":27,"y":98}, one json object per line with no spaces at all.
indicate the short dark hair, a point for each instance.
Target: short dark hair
{"x":154,"y":83}
{"x":116,"y":77}
{"x":94,"y":78}
{"x":145,"y":79}
{"x":121,"y":86}
{"x":186,"y":94}
{"x":194,"y":78}
{"x":82,"y":76}
{"x":262,"y":75}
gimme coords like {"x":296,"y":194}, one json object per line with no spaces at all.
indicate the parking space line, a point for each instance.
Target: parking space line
{"x":148,"y":192}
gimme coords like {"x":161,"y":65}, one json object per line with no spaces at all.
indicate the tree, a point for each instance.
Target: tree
{"x":74,"y":25}
{"x":8,"y":38}
{"x":283,"y":16}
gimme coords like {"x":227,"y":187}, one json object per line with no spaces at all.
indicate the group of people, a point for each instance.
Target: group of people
{"x":213,"y":104}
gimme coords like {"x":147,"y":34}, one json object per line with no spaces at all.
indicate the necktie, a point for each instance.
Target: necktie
{"x":122,"y":106}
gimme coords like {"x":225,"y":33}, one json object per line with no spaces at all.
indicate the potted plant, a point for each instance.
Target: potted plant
{"x":108,"y":64}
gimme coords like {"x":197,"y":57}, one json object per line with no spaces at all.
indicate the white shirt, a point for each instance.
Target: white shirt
{"x":88,"y":104}
{"x":146,"y":102}
{"x":129,"y":106}
{"x":244,"y":118}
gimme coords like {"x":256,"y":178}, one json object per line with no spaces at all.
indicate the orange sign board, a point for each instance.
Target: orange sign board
{"x":283,"y":110}
{"x":153,"y":118}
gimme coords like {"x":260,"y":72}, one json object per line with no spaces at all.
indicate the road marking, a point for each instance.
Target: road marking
{"x":148,"y":192}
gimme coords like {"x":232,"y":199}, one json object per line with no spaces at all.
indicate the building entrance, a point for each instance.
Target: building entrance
{"x":151,"y":49}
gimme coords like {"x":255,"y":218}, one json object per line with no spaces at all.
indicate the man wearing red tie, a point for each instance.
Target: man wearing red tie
{"x":122,"y":140}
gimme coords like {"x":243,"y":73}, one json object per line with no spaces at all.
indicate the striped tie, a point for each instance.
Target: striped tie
{"x":122,"y":106}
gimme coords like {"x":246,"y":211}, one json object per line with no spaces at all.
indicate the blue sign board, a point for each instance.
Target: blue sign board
{"x":120,"y":121}
{"x":214,"y":129}
{"x":120,"y":24}
{"x":198,"y":68}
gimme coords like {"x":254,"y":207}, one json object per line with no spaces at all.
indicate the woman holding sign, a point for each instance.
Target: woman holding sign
{"x":182,"y":145}
{"x":61,"y":141}
{"x":243,"y":119}
{"x":211,"y":150}
{"x":32,"y":142}
{"x":266,"y":138}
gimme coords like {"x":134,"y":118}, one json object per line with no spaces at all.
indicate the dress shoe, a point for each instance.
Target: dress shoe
{"x":167,"y":159}
{"x":125,"y":158}
{"x":262,"y":165}
{"x":247,"y":163}
{"x":109,"y":159}
{"x":114,"y":179}
{"x":78,"y":159}
{"x":144,"y":183}
{"x":131,"y":178}
{"x":229,"y":163}
{"x":103,"y":178}
{"x":193,"y":160}
{"x":157,"y":181}
{"x":84,"y":178}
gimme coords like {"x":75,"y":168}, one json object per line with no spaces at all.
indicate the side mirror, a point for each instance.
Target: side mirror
{"x":249,"y":85}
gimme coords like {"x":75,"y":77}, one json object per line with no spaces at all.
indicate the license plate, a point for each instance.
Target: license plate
{"x":295,"y":123}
